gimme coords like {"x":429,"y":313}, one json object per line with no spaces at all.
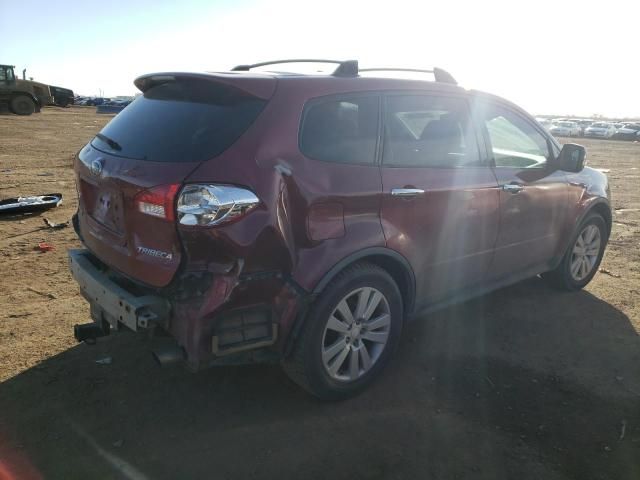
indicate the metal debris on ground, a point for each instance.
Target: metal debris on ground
{"x":36,"y":203}
{"x":56,"y":226}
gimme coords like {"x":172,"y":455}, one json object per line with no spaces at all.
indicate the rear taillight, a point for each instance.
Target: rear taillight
{"x":207,"y":205}
{"x":158,"y":201}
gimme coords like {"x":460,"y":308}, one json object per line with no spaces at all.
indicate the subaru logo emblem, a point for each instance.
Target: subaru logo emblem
{"x":96,"y":167}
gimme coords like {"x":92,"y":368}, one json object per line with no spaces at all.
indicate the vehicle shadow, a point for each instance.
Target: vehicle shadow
{"x":523,"y":383}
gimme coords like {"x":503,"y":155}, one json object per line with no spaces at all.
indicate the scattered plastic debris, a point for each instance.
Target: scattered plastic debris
{"x":35,"y":203}
{"x":44,"y":247}
{"x":55,"y":226}
{"x":104,"y":361}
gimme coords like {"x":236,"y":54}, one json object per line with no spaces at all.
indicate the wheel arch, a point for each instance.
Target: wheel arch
{"x":603,"y":209}
{"x":391,"y":261}
{"x":599,"y":206}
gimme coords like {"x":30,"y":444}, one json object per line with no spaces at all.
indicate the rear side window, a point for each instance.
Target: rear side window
{"x":188,"y":120}
{"x":428,"y":131}
{"x":341,"y":130}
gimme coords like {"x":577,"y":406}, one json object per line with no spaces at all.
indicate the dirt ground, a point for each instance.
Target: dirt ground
{"x":524,"y":383}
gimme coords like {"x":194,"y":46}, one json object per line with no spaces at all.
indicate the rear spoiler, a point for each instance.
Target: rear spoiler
{"x":261,"y":86}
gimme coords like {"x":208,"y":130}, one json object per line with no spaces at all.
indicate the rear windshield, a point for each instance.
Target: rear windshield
{"x":189,"y":120}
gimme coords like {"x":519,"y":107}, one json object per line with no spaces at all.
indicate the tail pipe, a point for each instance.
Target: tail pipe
{"x":88,"y":332}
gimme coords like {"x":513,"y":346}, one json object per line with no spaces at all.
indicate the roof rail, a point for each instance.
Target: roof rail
{"x":346,"y":68}
{"x":440,"y":75}
{"x":349,"y":68}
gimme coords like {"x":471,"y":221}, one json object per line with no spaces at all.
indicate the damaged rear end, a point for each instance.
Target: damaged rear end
{"x":174,"y":212}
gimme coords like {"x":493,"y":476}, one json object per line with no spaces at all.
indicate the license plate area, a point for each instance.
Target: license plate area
{"x":104,"y":205}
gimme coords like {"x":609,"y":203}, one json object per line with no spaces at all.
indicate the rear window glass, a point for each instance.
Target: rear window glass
{"x":188,"y":120}
{"x":341,"y":130}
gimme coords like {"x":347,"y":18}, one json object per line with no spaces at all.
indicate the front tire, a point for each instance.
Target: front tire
{"x":22,"y":105}
{"x":582,"y":259}
{"x":349,"y":335}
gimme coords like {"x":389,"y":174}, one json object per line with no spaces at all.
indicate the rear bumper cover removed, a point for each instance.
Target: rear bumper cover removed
{"x":235,"y":320}
{"x":110,"y":302}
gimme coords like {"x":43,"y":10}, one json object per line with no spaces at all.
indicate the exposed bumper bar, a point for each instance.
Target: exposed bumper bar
{"x":112,"y":303}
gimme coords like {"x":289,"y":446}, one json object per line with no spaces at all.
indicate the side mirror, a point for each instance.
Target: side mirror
{"x":571,"y":158}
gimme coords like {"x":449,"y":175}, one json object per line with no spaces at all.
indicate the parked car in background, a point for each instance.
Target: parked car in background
{"x":628,"y":132}
{"x":306,"y":218}
{"x":565,"y":129}
{"x":583,"y":124}
{"x":545,"y":122}
{"x":600,"y":130}
{"x":97,"y":101}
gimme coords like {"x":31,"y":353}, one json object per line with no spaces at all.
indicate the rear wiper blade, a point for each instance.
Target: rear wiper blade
{"x":109,"y":141}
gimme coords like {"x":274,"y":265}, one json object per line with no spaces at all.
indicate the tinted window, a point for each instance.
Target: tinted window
{"x":514,"y":140}
{"x":428,"y":131}
{"x":183,"y":121}
{"x":341,"y":130}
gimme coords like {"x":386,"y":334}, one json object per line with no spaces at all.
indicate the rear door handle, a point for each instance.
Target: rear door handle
{"x":406,"y":192}
{"x":512,"y":187}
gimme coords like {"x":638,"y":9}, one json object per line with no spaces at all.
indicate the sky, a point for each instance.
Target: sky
{"x":551,"y":57}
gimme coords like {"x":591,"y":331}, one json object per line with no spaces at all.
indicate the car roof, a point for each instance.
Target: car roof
{"x":263,"y":83}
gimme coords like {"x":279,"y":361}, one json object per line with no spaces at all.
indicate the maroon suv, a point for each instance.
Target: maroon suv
{"x":305,"y":218}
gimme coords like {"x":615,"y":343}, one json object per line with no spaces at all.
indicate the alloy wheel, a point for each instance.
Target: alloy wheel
{"x":585,"y":252}
{"x":356,"y":334}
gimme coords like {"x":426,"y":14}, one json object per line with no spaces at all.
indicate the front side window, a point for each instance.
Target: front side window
{"x":342,"y":130}
{"x":428,"y":131}
{"x":515,"y":141}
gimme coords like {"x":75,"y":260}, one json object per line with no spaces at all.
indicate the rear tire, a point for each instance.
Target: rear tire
{"x":338,"y":355}
{"x":582,"y":259}
{"x":22,"y":105}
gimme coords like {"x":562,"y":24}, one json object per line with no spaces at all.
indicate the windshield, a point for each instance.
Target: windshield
{"x":600,"y":125}
{"x":565,"y":124}
{"x":181,"y":121}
